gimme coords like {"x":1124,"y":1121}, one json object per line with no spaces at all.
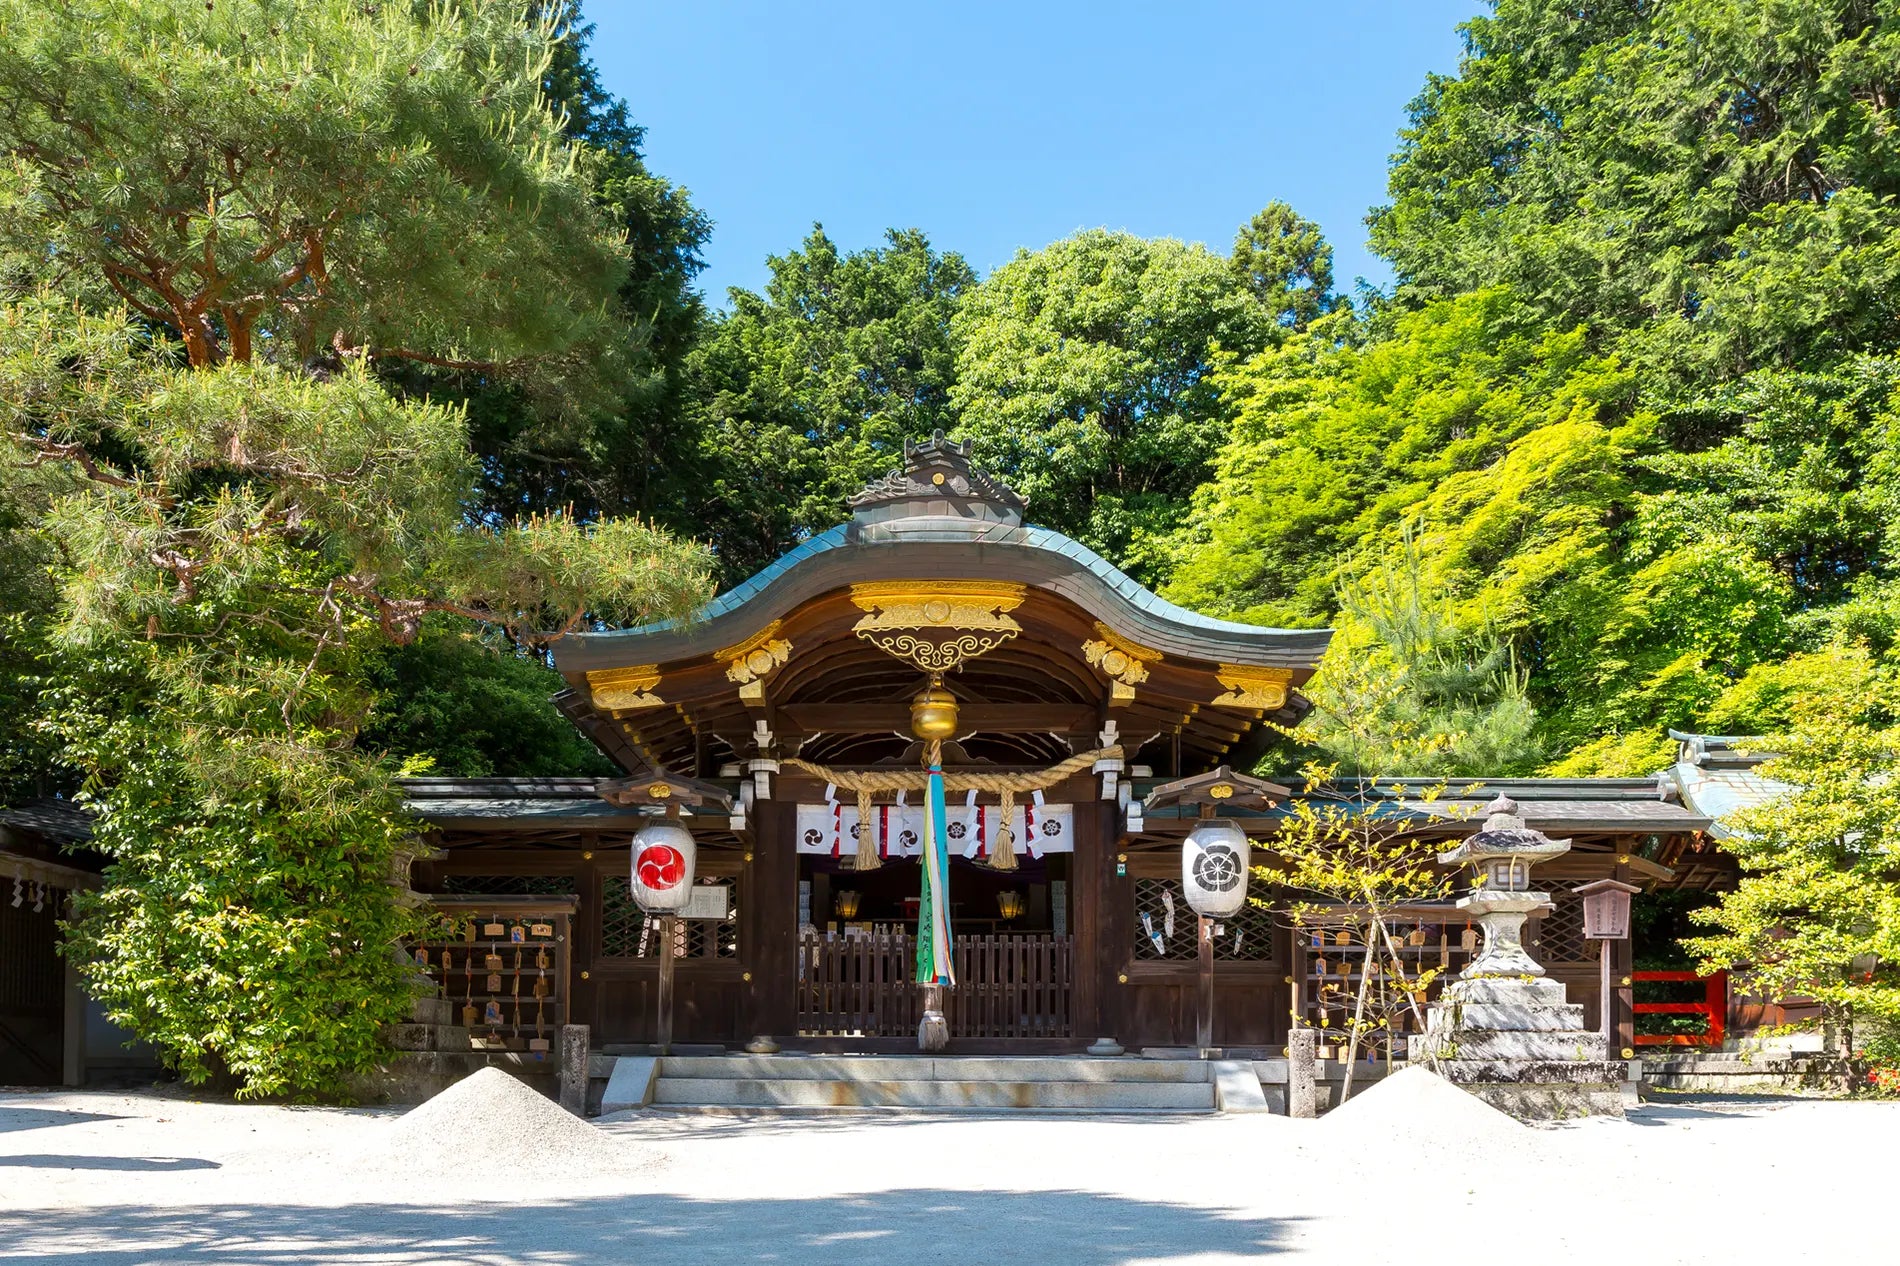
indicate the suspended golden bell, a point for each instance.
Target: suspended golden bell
{"x":933,"y":714}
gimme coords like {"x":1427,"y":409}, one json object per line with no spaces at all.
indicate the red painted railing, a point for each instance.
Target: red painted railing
{"x":1713,"y":1007}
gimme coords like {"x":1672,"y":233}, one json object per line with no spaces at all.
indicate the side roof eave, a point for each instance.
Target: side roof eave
{"x":947,"y":548}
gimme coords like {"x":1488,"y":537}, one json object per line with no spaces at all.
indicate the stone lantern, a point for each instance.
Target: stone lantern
{"x":1501,"y":857}
{"x":1501,"y":1030}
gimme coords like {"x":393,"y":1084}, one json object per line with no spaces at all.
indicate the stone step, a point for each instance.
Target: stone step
{"x":811,"y":1093}
{"x":938,"y":1068}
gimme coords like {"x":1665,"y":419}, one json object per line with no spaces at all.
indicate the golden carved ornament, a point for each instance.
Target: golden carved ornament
{"x":660,"y":790}
{"x":936,"y":625}
{"x":1262,"y":689}
{"x":750,"y":662}
{"x":1125,"y":663}
{"x":625,"y":689}
{"x":1221,"y":791}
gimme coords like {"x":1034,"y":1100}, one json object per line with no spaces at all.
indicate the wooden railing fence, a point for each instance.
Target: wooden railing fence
{"x":1008,"y":986}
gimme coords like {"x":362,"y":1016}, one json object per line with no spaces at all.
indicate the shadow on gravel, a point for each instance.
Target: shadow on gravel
{"x":158,"y":1164}
{"x":14,"y":1118}
{"x":887,"y":1229}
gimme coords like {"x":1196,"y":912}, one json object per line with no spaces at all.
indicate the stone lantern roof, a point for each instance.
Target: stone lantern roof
{"x":1504,"y":835}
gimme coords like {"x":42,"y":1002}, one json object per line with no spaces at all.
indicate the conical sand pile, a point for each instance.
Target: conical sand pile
{"x":1420,"y":1105}
{"x":494,"y":1116}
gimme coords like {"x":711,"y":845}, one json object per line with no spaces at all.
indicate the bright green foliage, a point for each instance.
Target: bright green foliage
{"x":1817,"y":912}
{"x":1489,"y":434}
{"x":238,"y":511}
{"x":1635,"y":650}
{"x":807,"y":391}
{"x":1083,"y":375}
{"x":247,"y":927}
{"x":1713,"y":179}
{"x":1405,"y":687}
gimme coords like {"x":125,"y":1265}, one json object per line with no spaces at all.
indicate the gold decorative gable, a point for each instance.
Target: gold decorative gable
{"x":625,"y":689}
{"x":1261,"y":689}
{"x":936,"y":625}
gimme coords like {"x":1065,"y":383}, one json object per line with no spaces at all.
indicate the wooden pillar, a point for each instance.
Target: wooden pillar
{"x":583,"y":950}
{"x":1091,"y":893}
{"x":663,"y":1021}
{"x":1622,"y":963}
{"x":1204,"y":1014}
{"x":769,"y":935}
{"x":72,"y":1064}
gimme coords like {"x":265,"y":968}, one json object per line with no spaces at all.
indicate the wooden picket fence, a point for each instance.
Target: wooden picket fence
{"x":1008,"y":986}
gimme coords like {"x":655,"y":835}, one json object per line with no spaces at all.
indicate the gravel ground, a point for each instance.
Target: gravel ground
{"x":124,"y":1180}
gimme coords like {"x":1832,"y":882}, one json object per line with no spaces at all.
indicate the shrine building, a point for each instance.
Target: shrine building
{"x":1086,"y":726}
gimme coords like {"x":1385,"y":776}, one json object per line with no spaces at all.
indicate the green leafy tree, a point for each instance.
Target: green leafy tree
{"x":1517,"y":461}
{"x":1284,"y":259}
{"x":1817,"y":911}
{"x":238,"y":510}
{"x":1406,"y":687}
{"x":634,"y":451}
{"x":1506,"y":437}
{"x":469,"y":709}
{"x":1085,"y":377}
{"x":1713,"y":183}
{"x":805,"y":392}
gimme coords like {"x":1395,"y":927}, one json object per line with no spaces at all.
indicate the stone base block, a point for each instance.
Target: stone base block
{"x":429,"y":1010}
{"x":1510,"y":1017}
{"x":1474,"y":1072}
{"x":1543,"y":1102}
{"x":1538,"y":1045}
{"x":1507,"y":989}
{"x":428,"y":1037}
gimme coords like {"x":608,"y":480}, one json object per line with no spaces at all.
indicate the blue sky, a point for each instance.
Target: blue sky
{"x":995,"y":126}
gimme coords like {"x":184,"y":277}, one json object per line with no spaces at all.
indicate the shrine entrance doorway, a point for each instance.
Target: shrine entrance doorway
{"x":1013,"y":954}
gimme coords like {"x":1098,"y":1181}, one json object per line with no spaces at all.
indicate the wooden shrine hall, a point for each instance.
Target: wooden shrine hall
{"x":1082,"y":726}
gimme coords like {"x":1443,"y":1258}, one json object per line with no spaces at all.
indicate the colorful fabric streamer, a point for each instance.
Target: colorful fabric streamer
{"x":933,"y":911}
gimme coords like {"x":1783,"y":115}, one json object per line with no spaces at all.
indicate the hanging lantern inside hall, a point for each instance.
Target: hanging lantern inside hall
{"x":663,"y":857}
{"x":1214,"y":868}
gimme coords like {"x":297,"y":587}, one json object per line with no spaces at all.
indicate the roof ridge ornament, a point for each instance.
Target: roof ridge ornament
{"x":938,"y":479}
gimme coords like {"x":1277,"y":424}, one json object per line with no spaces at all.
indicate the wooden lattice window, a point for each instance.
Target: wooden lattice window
{"x":626,"y":931}
{"x":1165,"y":928}
{"x":1558,"y":936}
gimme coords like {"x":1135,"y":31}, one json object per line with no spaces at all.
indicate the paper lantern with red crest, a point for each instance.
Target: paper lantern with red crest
{"x":663,"y":857}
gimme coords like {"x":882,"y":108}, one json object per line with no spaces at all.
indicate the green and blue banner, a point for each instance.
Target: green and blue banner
{"x":933,"y":912}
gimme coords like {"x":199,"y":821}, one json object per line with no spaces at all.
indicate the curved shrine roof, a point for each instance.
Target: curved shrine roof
{"x":937,"y":519}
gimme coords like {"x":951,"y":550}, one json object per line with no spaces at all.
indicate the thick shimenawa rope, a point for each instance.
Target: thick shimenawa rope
{"x":1006,"y":787}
